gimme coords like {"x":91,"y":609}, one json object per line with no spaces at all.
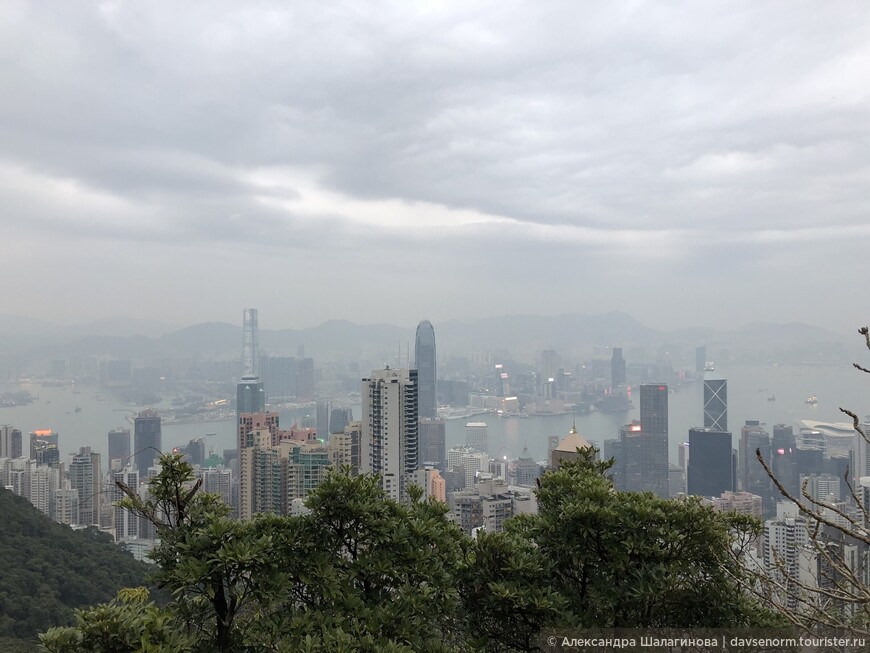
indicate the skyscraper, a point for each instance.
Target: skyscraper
{"x":250,"y":343}
{"x":338,"y":419}
{"x":716,"y":404}
{"x":617,"y":367}
{"x":250,"y":395}
{"x":712,"y":464}
{"x":424,"y":360}
{"x":433,"y":448}
{"x":753,"y":478}
{"x":654,"y":408}
{"x":147,"y":440}
{"x":42,"y":438}
{"x":278,"y":376}
{"x":126,"y":522}
{"x":644,"y":446}
{"x":85,"y":475}
{"x":477,"y":436}
{"x":119,"y":448}
{"x":10,"y":442}
{"x":258,"y":434}
{"x":389,"y":444}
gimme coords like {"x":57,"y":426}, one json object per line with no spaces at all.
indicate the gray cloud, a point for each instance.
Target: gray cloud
{"x":499,"y":153}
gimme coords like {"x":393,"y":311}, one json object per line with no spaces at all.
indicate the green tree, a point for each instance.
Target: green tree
{"x":598,"y":558}
{"x":360,"y":572}
{"x":127,"y":624}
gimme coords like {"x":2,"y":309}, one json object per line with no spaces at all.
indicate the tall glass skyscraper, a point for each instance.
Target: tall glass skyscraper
{"x":424,"y":360}
{"x":716,"y":404}
{"x":147,"y":440}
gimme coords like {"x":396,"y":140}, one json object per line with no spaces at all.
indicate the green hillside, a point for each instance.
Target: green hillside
{"x":47,"y":570}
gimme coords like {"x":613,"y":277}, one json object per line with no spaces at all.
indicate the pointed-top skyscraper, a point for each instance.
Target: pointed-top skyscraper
{"x":424,"y":360}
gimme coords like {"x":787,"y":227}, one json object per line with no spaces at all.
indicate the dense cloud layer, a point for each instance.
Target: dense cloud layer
{"x":687,"y":162}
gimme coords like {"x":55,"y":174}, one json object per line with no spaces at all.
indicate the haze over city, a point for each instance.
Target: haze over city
{"x":694,"y":165}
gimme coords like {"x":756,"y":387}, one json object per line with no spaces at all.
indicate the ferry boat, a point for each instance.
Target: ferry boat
{"x":812,"y":400}
{"x":709,"y":366}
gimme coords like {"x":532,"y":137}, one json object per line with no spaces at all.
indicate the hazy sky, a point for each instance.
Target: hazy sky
{"x":697,"y":162}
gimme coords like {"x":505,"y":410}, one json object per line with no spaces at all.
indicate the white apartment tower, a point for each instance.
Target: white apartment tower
{"x":389,"y":429}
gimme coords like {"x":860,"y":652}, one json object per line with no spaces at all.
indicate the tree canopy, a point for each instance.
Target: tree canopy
{"x":363,"y":573}
{"x":49,"y":569}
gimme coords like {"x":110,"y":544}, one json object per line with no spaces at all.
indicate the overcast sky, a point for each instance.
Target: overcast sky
{"x":694,"y":163}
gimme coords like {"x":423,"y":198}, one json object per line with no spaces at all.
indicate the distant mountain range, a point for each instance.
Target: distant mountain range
{"x":522,"y":335}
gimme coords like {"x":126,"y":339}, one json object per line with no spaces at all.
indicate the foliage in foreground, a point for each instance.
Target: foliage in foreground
{"x":362,"y":573}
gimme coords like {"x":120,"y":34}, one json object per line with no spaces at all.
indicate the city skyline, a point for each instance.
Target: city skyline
{"x":422,"y":146}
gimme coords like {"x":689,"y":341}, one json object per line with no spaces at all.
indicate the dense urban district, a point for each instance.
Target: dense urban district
{"x":358,"y":528}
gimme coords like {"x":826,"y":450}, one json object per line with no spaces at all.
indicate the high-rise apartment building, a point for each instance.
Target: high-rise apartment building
{"x":260,"y":486}
{"x":344,"y":447}
{"x":424,"y":361}
{"x":712,"y":465}
{"x":716,"y":404}
{"x":85,"y":475}
{"x":10,"y":442}
{"x":307,"y":464}
{"x":66,"y":505}
{"x":43,"y":482}
{"x":126,"y":522}
{"x":390,"y":429}
{"x":217,"y":480}
{"x":119,"y":448}
{"x":147,"y":440}
{"x":469,"y":461}
{"x":257,"y":431}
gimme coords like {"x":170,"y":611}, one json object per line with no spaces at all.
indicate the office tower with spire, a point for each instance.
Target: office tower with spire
{"x":389,"y":439}
{"x":716,"y":404}
{"x":424,"y":361}
{"x":147,"y":440}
